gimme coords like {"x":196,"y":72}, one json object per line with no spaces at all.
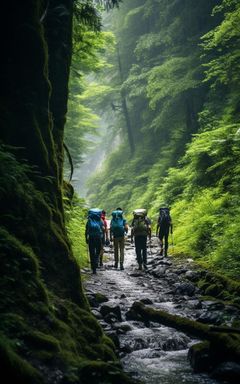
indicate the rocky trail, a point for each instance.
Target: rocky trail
{"x":150,"y":351}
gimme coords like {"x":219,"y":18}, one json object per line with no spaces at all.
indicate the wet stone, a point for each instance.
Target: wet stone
{"x":150,"y":262}
{"x":212,"y":305}
{"x":192,"y":275}
{"x":184,"y":289}
{"x":92,"y":301}
{"x":152,"y":352}
{"x":132,"y":315}
{"x":195,"y":304}
{"x":114,"y":337}
{"x":97,"y":314}
{"x":135,"y":274}
{"x":176,"y":342}
{"x":231,"y":309}
{"x":181,"y":271}
{"x":111,"y":309}
{"x":199,"y":357}
{"x":159,"y":272}
{"x":111,"y":318}
{"x":210,"y":318}
{"x":122,"y":327}
{"x":106,"y":327}
{"x":227,"y":371}
{"x":146,"y":301}
{"x":166,"y":261}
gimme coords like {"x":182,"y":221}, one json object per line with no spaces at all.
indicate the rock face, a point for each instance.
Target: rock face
{"x":47,"y":332}
{"x":142,"y":341}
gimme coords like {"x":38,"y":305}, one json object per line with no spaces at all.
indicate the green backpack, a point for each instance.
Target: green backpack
{"x":140,"y":224}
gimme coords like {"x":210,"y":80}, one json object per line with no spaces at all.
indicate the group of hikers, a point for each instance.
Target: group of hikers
{"x":98,"y":235}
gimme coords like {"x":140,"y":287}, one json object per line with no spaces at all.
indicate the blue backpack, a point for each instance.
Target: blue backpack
{"x":117,"y":224}
{"x":95,"y":224}
{"x":164,"y":219}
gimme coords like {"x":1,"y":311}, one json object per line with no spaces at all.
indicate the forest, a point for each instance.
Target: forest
{"x":145,"y":95}
{"x":168,"y":96}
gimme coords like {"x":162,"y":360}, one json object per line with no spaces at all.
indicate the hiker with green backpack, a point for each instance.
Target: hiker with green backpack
{"x":118,"y":228}
{"x":140,"y":230}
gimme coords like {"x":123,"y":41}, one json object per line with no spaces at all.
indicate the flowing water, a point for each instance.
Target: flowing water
{"x":153,"y":353}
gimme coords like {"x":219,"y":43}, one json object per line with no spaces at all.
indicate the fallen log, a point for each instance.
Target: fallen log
{"x":223,"y":345}
{"x":224,"y":329}
{"x":183,"y":324}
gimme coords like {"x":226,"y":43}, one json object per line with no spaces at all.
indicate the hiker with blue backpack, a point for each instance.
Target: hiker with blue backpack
{"x":164,"y":225}
{"x":118,"y":229}
{"x":94,"y":233}
{"x":140,"y":231}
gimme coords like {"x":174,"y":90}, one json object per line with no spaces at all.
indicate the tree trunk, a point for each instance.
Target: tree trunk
{"x":28,"y":123}
{"x":125,"y":108}
{"x":58,"y":32}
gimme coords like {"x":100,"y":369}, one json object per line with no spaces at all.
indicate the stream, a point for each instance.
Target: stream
{"x":151,"y":352}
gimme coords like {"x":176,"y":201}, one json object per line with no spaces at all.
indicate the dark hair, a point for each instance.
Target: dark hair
{"x":119,"y":209}
{"x":104,"y":212}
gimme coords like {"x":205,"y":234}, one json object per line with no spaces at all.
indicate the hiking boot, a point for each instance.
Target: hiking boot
{"x":101,"y":265}
{"x":140,"y":267}
{"x":94,"y":271}
{"x":121,"y":267}
{"x":145,"y":266}
{"x":115,"y":265}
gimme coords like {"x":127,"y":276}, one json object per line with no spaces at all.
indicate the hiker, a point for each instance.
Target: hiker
{"x":105,"y":239}
{"x":140,"y":230}
{"x":163,"y":226}
{"x":118,"y":228}
{"x":93,"y":234}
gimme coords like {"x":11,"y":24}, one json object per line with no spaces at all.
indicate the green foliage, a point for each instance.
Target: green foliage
{"x":175,"y":76}
{"x":196,"y":222}
{"x":181,"y":80}
{"x":226,"y":254}
{"x":222,"y":43}
{"x":76,"y":213}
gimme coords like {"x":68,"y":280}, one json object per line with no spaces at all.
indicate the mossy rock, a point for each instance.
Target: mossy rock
{"x":203,"y":285}
{"x":236,"y":324}
{"x":224,"y":344}
{"x":96,"y":372}
{"x":214,"y":290}
{"x":221,"y":287}
{"x":198,"y":356}
{"x":225,"y":296}
{"x":236,"y":300}
{"x":39,"y":340}
{"x":100,"y":297}
{"x":15,"y":369}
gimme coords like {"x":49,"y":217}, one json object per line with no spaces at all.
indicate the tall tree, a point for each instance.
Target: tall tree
{"x":47,"y":332}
